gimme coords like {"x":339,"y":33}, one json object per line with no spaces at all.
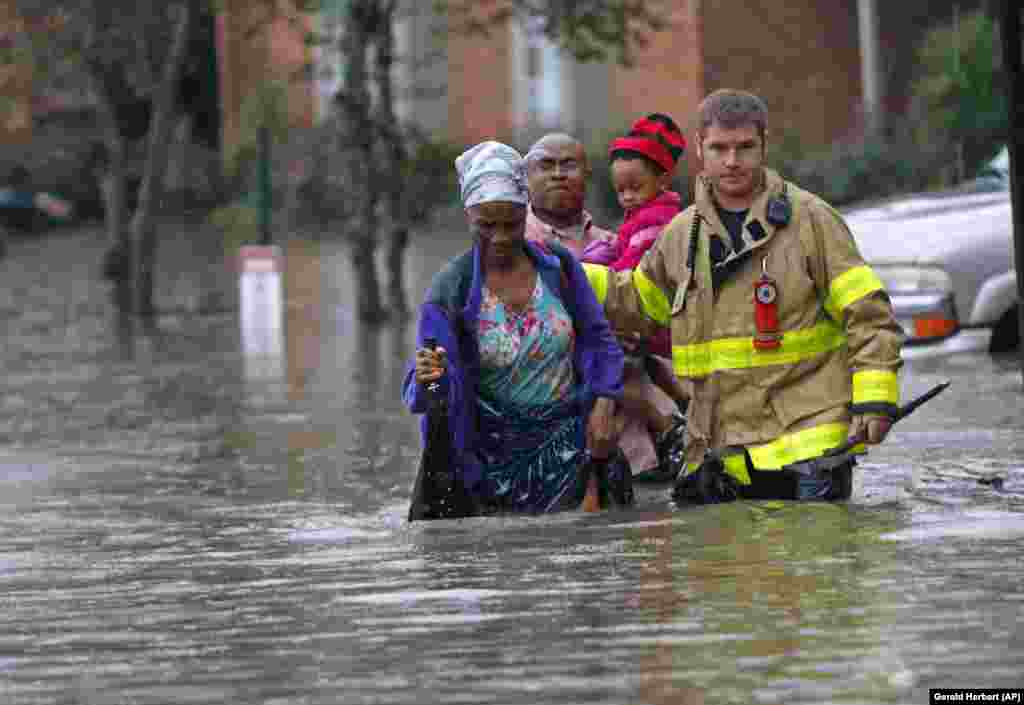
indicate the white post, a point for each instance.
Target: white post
{"x":261,"y":304}
{"x":870,"y":71}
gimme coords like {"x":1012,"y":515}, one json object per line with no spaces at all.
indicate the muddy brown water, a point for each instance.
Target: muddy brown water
{"x":183,"y":523}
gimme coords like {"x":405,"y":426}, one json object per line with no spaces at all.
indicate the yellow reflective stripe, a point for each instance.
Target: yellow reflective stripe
{"x":736,"y":465}
{"x":701,"y":359}
{"x":785,"y":450}
{"x":875,"y":386}
{"x":802,"y":445}
{"x":853,"y":284}
{"x":597,"y":275}
{"x":655,"y":304}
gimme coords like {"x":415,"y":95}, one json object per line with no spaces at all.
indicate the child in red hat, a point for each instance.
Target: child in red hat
{"x":643,"y":163}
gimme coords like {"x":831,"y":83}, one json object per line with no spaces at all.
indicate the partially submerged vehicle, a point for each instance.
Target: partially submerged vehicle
{"x":946,"y":259}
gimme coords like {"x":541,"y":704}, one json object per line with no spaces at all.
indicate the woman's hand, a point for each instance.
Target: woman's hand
{"x":603,"y":428}
{"x":430,"y":364}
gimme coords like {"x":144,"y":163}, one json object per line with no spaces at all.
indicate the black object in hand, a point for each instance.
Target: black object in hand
{"x":438,"y":492}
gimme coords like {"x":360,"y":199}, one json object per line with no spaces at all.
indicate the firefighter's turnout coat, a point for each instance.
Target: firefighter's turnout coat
{"x":839,"y":351}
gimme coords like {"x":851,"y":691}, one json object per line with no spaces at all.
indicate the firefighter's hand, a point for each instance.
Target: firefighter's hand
{"x":430,"y":364}
{"x":603,"y":428}
{"x":870,"y":428}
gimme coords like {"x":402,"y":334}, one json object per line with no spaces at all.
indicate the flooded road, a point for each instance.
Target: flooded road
{"x":184,"y":523}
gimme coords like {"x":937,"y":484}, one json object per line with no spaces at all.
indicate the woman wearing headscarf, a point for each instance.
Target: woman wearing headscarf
{"x":528,"y":364}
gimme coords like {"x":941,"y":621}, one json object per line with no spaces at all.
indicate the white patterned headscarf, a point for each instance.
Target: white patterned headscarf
{"x":491,"y":171}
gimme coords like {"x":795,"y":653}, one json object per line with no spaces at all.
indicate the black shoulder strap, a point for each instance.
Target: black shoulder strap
{"x":691,"y":255}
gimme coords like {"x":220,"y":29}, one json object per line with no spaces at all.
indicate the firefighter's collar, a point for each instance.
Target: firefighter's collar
{"x":758,"y":228}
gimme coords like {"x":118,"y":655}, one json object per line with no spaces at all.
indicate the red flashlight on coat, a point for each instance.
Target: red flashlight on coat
{"x":766,"y":311}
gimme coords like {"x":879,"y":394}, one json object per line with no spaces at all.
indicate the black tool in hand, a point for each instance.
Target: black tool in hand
{"x":904,"y":411}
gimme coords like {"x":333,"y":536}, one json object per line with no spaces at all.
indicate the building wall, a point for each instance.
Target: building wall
{"x":588,"y":89}
{"x":480,"y":86}
{"x":667,"y":75}
{"x":421,"y":82}
{"x":801,"y":56}
{"x":249,"y":58}
{"x":15,"y":83}
{"x":503,"y":85}
{"x":291,"y":60}
{"x":539,"y":73}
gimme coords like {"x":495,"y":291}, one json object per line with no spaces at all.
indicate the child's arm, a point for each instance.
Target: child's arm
{"x":641,"y":241}
{"x":660,"y":371}
{"x":600,"y":252}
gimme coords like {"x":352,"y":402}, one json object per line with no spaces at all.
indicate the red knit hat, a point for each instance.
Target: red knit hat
{"x":656,"y":137}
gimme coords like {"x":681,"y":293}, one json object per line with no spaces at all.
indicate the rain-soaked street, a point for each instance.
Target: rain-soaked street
{"x":181,"y":523}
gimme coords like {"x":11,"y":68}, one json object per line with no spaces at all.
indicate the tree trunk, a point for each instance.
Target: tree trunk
{"x":397,"y":245}
{"x":358,"y":128}
{"x":144,"y":228}
{"x":120,"y":256}
{"x":117,"y":264}
{"x":396,"y":157}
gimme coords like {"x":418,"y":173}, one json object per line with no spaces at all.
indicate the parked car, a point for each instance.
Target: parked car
{"x":23,"y":209}
{"x":946,"y":260}
{"x":33,"y":211}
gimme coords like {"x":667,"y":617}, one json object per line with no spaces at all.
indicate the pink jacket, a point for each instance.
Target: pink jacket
{"x":637,"y":234}
{"x":642,"y":227}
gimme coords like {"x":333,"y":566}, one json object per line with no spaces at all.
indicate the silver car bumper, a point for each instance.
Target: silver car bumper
{"x":967,"y":340}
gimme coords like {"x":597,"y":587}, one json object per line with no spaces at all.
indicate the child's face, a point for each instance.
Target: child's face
{"x":636,"y":182}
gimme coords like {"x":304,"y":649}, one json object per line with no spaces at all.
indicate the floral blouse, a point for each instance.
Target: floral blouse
{"x":526,"y":358}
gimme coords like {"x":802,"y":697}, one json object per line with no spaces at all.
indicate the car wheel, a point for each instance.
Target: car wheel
{"x":1006,"y":334}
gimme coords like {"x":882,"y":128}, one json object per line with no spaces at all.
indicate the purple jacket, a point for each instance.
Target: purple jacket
{"x":450,"y":312}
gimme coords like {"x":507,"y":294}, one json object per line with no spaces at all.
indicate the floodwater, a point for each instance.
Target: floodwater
{"x":184,"y":523}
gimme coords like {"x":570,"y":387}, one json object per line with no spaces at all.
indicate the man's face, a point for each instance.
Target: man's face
{"x":732,"y":158}
{"x":557,"y":177}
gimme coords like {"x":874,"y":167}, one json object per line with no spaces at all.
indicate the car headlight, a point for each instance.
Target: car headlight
{"x":913,"y":280}
{"x":922,"y":299}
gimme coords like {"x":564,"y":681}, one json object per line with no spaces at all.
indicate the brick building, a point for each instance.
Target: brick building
{"x":802,"y":56}
{"x":15,"y":81}
{"x":252,"y":54}
{"x":823,"y":66}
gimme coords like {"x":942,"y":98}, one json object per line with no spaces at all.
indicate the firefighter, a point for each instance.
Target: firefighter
{"x":785,"y":334}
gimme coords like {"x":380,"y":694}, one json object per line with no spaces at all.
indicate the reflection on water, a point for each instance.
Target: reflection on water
{"x":765,"y":600}
{"x":177,"y":528}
